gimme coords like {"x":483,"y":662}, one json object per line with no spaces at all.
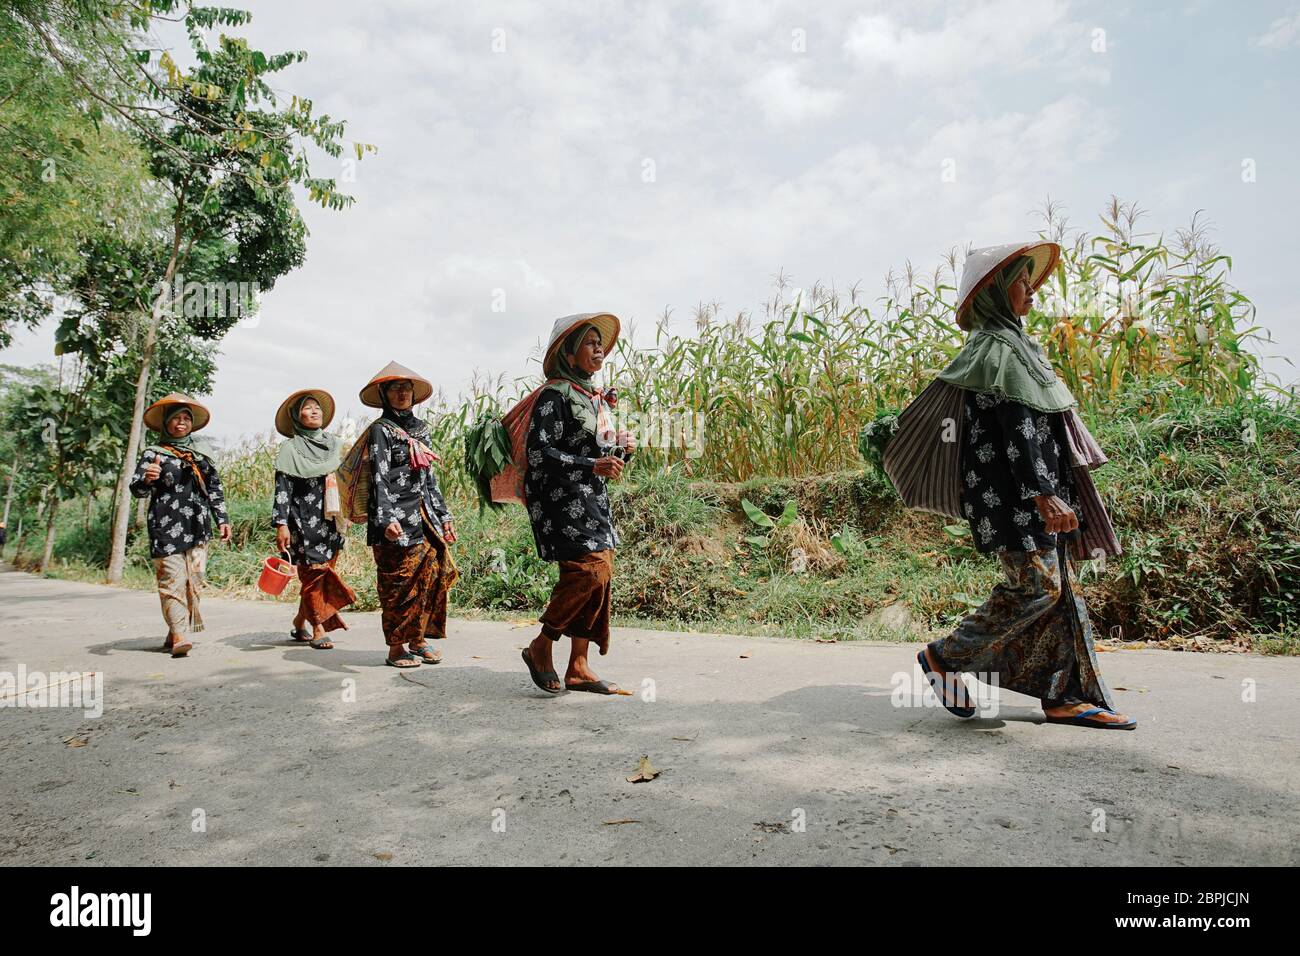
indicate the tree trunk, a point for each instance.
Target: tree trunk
{"x":9,"y":495}
{"x":49,"y":535}
{"x":122,"y":493}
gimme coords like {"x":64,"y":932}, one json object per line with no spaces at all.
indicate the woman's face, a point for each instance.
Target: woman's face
{"x":400,"y":394}
{"x":179,"y":425}
{"x":310,"y":414}
{"x":1021,"y":294}
{"x":591,"y":354}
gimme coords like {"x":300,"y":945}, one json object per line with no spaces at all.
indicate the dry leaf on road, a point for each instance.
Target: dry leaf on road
{"x":645,"y":772}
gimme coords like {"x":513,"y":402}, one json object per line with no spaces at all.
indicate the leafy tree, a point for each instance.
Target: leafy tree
{"x":225,"y":154}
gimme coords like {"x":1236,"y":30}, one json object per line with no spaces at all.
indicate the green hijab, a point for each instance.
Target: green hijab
{"x":1000,"y":357}
{"x":584,"y":409}
{"x":198,"y":447}
{"x":310,"y":453}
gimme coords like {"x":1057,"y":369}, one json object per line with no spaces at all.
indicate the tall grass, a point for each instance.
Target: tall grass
{"x":785,"y":392}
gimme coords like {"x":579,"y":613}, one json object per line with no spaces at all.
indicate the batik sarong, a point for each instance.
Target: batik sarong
{"x":1033,"y":633}
{"x":180,"y":582}
{"x":412,"y":584}
{"x":322,"y":594}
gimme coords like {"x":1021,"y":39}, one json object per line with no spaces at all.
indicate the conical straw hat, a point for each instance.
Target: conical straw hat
{"x":983,"y":264}
{"x":393,"y":372}
{"x":156,"y":414}
{"x":284,"y":414}
{"x":606,"y":322}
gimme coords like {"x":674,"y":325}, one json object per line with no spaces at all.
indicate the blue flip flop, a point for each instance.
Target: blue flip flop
{"x":1085,"y":719}
{"x":936,"y":682}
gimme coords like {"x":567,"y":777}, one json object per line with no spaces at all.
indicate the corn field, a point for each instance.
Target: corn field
{"x":785,"y":392}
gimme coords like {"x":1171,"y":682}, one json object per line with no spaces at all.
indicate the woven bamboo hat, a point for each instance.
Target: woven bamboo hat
{"x":393,"y":372}
{"x":155,"y":416}
{"x":983,"y":264}
{"x":606,"y":322}
{"x":284,"y":414}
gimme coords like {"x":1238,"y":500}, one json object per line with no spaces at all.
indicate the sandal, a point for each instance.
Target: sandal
{"x":322,"y":643}
{"x":426,"y":653}
{"x":595,"y":687}
{"x":937,"y":682}
{"x":1085,"y":719}
{"x":540,"y":678}
{"x":405,"y":661}
{"x":181,"y":649}
{"x":300,"y":635}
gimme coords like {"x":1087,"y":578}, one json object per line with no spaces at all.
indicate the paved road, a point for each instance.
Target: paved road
{"x":772,"y":752}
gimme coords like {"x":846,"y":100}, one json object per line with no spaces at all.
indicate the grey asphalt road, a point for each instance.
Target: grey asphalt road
{"x":252,"y":751}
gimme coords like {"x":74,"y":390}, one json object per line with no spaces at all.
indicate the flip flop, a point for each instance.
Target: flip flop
{"x":427,"y":654}
{"x":181,"y":649}
{"x":938,"y":684}
{"x":300,"y":635}
{"x":1085,"y":719}
{"x":541,"y":677}
{"x":322,"y":643}
{"x":401,"y":661}
{"x":595,"y":687}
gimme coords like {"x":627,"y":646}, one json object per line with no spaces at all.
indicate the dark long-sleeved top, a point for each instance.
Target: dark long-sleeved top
{"x":397,"y":490}
{"x":179,"y":506}
{"x":1010,"y":455}
{"x":568,"y":503}
{"x":299,"y":504}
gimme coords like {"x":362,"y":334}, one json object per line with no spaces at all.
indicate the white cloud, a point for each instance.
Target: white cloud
{"x":787,"y":100}
{"x":1002,"y":36}
{"x":1282,"y":33}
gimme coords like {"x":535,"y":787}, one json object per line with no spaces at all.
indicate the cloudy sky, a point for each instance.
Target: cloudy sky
{"x":631,"y":157}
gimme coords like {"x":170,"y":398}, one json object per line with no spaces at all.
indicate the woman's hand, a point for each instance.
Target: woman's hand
{"x":393,"y":531}
{"x":151,"y":472}
{"x":448,"y":533}
{"x":609,"y":467}
{"x":225,"y":531}
{"x":282,"y":537}
{"x":1056,"y":514}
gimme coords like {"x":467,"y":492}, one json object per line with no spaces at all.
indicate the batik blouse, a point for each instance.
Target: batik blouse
{"x":179,"y":505}
{"x":397,"y":490}
{"x":1010,"y":455}
{"x":300,"y":505}
{"x":568,"y":503}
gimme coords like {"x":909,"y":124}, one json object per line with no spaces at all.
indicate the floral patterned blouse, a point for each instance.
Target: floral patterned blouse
{"x":178,"y":505}
{"x":568,"y":503}
{"x":300,"y":504}
{"x":1010,"y":455}
{"x":397,"y":490}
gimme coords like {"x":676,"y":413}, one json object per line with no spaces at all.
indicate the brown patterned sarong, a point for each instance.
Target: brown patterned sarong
{"x":323,"y":594}
{"x":579,"y":605}
{"x":412,"y":585}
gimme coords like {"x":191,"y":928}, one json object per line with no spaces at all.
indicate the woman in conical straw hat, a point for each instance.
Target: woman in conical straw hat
{"x":179,"y":476}
{"x":572,"y":452}
{"x":410,"y":527}
{"x":996,"y":440}
{"x":305,"y":513}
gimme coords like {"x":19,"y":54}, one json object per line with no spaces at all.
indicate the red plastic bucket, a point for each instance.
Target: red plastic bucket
{"x":276,"y":573}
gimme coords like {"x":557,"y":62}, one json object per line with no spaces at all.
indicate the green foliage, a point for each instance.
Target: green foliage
{"x":487,"y":453}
